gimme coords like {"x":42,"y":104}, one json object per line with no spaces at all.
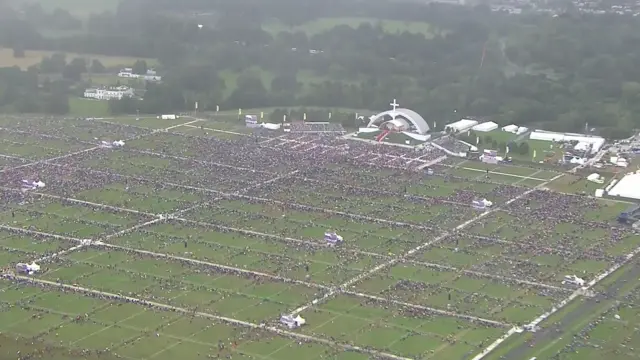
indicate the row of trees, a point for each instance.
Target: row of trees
{"x":557,"y":73}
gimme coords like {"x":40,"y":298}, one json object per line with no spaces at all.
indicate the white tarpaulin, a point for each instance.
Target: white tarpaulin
{"x":292,"y":322}
{"x":595,"y":142}
{"x":27,"y":268}
{"x":627,"y":187}
{"x":485,"y":127}
{"x":461,"y":125}
{"x":271,"y":126}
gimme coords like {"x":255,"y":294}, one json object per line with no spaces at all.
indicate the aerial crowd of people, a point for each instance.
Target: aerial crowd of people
{"x":254,"y":167}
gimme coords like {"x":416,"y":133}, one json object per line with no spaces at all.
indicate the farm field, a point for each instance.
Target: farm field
{"x":34,"y":57}
{"x":75,"y":7}
{"x":320,"y":25}
{"x":194,"y":237}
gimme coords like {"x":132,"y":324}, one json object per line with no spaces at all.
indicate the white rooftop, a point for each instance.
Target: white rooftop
{"x":485,"y":127}
{"x":461,"y":125}
{"x":596,"y":142}
{"x":628,"y":187}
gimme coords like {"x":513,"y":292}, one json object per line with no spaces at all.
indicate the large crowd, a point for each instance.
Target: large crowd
{"x":340,"y":171}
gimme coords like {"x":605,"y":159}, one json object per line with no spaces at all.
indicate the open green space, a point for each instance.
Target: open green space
{"x":324,"y":24}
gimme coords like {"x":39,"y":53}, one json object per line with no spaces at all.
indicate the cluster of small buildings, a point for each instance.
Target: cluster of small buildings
{"x":150,"y":75}
{"x":109,"y":93}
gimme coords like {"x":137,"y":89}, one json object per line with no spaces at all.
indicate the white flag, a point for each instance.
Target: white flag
{"x":534,"y":154}
{"x":477,"y":140}
{"x":196,"y":105}
{"x":284,"y":118}
{"x":239,"y":112}
{"x":217,"y":108}
{"x":304,"y":116}
{"x":507,"y":150}
{"x":435,"y":125}
{"x":329,"y":115}
{"x":261,"y":115}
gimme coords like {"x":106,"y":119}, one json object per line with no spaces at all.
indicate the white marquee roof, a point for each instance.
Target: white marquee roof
{"x":628,"y":187}
{"x":461,"y":125}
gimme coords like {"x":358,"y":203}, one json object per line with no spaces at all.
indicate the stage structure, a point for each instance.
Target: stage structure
{"x":399,"y":120}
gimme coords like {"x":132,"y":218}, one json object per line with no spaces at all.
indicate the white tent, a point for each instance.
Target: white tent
{"x":271,"y":126}
{"x":595,"y":178}
{"x":27,"y":268}
{"x":599,"y":193}
{"x":461,"y":125}
{"x":485,"y":127}
{"x":292,"y":322}
{"x":595,"y":142}
{"x":627,"y":187}
{"x":510,"y":128}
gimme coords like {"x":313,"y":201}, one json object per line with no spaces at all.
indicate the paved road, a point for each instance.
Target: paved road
{"x":588,"y":308}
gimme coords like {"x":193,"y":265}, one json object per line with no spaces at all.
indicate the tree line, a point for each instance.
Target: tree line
{"x":558,"y":73}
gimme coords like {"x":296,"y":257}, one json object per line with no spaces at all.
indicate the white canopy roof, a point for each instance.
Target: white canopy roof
{"x":628,"y":187}
{"x":461,"y":125}
{"x":596,"y":142}
{"x":485,"y":127}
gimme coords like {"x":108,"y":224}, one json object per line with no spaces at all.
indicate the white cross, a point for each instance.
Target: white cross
{"x":394,"y":104}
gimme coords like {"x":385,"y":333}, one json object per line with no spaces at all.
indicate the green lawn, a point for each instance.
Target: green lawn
{"x":88,"y":107}
{"x":320,"y":25}
{"x":75,"y":7}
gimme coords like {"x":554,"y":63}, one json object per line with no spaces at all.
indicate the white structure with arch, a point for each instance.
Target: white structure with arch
{"x":401,"y":120}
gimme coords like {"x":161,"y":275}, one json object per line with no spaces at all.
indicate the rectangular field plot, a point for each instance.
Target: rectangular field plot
{"x":244,"y":251}
{"x":36,"y":147}
{"x":148,"y":198}
{"x":82,"y":130}
{"x":152,"y":123}
{"x":67,"y":219}
{"x":395,"y":208}
{"x":250,"y":298}
{"x":279,"y":222}
{"x":166,"y":169}
{"x":398,"y":329}
{"x":216,"y":150}
{"x":499,"y":300}
{"x":79,"y":322}
{"x":195,"y":130}
{"x":16,"y":248}
{"x":501,"y":174}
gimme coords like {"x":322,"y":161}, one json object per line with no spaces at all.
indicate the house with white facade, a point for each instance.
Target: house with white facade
{"x":109,"y":93}
{"x":151,"y":75}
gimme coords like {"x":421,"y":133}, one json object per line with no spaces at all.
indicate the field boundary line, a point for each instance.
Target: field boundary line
{"x":227,"y":320}
{"x":410,"y":253}
{"x":579,"y":292}
{"x":205,"y":162}
{"x":101,"y":244}
{"x":470,"y":318}
{"x":83,"y":202}
{"x":45,"y":161}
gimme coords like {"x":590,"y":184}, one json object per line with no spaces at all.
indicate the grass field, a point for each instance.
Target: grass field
{"x":75,"y":7}
{"x":34,"y":57}
{"x":200,"y":240}
{"x":320,"y":25}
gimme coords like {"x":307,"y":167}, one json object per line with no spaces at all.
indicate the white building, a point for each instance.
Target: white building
{"x":627,"y":187}
{"x":485,"y":127}
{"x":151,"y":75}
{"x":460,"y":126}
{"x":515,"y":129}
{"x":109,"y":93}
{"x":585,"y":142}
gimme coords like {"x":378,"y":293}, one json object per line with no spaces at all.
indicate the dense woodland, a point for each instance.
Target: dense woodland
{"x":553,"y":72}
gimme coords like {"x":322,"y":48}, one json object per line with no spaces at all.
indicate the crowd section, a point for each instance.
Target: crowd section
{"x":346,"y":172}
